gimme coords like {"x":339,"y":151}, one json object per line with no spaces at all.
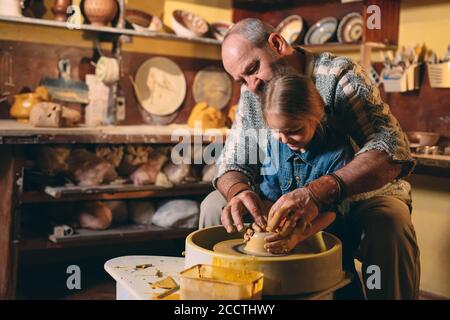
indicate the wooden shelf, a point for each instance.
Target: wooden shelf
{"x":347,"y":47}
{"x":441,"y":161}
{"x":107,"y":192}
{"x":13,"y":132}
{"x":333,"y":47}
{"x":111,"y":30}
{"x":432,"y":165}
{"x":109,"y":237}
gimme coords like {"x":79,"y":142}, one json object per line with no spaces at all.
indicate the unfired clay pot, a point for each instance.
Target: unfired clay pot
{"x":100,"y":12}
{"x":256,"y":243}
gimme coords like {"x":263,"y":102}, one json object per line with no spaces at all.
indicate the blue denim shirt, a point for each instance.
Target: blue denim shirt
{"x":327,"y":152}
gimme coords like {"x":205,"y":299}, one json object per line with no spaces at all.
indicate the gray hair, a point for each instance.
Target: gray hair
{"x":253,"y":30}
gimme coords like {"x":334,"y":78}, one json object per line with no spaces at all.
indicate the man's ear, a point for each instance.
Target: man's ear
{"x":277,"y":43}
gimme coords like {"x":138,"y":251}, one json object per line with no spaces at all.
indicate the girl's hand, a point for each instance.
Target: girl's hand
{"x":288,"y":238}
{"x":289,"y":208}
{"x":251,"y":231}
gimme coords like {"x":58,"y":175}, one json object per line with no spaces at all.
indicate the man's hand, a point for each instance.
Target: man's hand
{"x":287,"y":240}
{"x":246,"y":201}
{"x":289,"y":208}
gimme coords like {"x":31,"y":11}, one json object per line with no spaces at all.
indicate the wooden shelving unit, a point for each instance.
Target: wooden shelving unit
{"x":31,"y":248}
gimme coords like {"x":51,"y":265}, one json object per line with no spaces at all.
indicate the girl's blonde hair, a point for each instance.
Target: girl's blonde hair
{"x":294,"y":96}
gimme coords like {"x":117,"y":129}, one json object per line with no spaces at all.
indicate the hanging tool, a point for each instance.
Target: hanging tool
{"x":64,"y":89}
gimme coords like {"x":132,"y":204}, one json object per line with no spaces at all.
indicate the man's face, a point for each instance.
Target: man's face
{"x":249,"y":65}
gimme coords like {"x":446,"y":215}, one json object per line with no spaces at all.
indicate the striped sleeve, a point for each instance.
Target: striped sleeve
{"x":367,"y":119}
{"x":241,"y":144}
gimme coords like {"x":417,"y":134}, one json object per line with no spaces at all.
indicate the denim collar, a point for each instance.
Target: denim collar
{"x":314,"y":147}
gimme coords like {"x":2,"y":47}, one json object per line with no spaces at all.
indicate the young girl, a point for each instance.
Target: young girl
{"x":302,"y":150}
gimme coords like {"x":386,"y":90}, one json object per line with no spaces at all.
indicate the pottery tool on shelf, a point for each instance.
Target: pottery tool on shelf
{"x":6,"y":74}
{"x":64,"y":89}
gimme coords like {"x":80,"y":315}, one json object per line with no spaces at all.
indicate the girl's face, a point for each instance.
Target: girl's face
{"x":293,"y":132}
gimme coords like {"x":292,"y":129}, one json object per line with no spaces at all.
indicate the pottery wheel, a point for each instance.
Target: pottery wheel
{"x":300,"y":272}
{"x":236,"y":247}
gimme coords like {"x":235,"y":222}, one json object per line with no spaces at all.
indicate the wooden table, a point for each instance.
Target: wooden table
{"x":133,"y":284}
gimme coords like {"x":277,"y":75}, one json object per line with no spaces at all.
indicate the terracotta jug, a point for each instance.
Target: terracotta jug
{"x":100,"y":12}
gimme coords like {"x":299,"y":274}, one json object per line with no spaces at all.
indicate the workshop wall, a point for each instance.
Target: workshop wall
{"x":431,"y":218}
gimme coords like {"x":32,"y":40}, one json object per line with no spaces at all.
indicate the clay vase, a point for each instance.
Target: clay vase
{"x":100,"y":12}
{"x":59,"y":9}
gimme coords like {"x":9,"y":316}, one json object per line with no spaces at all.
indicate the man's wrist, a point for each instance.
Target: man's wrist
{"x":326,"y":191}
{"x":237,"y":188}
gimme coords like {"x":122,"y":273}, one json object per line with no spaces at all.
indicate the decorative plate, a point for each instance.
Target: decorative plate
{"x":292,"y":29}
{"x":322,"y":31}
{"x":350,"y":28}
{"x":213,"y":86}
{"x":188,"y":24}
{"x":160,"y":86}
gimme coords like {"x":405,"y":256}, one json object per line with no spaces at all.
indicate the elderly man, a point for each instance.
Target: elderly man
{"x":378,"y":229}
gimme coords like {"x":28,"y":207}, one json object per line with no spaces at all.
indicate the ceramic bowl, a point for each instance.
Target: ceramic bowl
{"x":421,"y":138}
{"x":142,"y":21}
{"x":322,"y":31}
{"x":220,"y":29}
{"x":187,"y":24}
{"x":292,"y":29}
{"x":350,"y":28}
